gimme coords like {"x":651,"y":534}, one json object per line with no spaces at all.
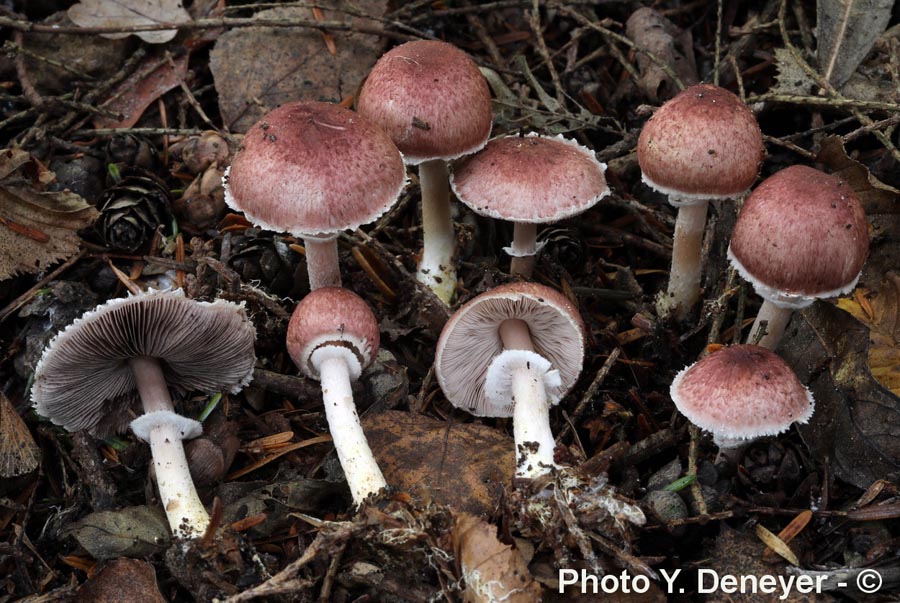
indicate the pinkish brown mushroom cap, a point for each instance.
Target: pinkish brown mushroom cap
{"x":471,"y":340}
{"x":741,"y":392}
{"x":312,"y":168}
{"x":801,"y":235}
{"x":84,"y":381}
{"x":332,"y":316}
{"x":431,"y":99}
{"x":702,"y":144}
{"x":530,"y":178}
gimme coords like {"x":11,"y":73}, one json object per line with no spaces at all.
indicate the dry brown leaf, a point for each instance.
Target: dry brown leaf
{"x":36,"y":228}
{"x":141,"y":89}
{"x":880,"y":311}
{"x":649,"y":29}
{"x":462,"y":465}
{"x":256,"y":69}
{"x":492,"y":571}
{"x":846,"y":31}
{"x":18,"y":451}
{"x":122,"y":581}
{"x":876,"y":196}
{"x":130,"y":13}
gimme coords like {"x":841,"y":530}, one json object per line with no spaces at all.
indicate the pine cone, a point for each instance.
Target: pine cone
{"x":132,"y":210}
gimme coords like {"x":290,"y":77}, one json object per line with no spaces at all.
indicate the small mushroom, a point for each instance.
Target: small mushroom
{"x":701,"y":145}
{"x":529,"y":180}
{"x":801,"y":236}
{"x":740,"y":393}
{"x":433,"y":102}
{"x":135,"y":349}
{"x":512,"y":352}
{"x":332,"y":337}
{"x":313,"y":170}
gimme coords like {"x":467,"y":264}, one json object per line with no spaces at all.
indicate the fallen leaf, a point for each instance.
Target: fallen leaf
{"x":791,"y":78}
{"x":875,"y":196}
{"x":130,"y":13}
{"x":462,"y":465}
{"x":738,"y":553}
{"x":36,"y":228}
{"x":256,"y":69}
{"x":880,"y":312}
{"x":141,"y":89}
{"x":18,"y":451}
{"x":122,"y":581}
{"x":846,"y":31}
{"x":675,"y":47}
{"x":129,"y":532}
{"x":851,"y":427}
{"x":492,"y":571}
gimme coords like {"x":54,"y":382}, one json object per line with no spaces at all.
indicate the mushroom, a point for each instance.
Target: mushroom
{"x":740,"y":393}
{"x":703,"y":144}
{"x":332,"y":337}
{"x":513,"y":351}
{"x":529,"y":180}
{"x":315,"y":169}
{"x":801,"y":236}
{"x":434,"y":103}
{"x":135,"y":349}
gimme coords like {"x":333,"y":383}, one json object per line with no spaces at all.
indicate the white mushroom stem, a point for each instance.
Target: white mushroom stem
{"x":776,"y":319}
{"x":165,"y":430}
{"x":322,"y":262}
{"x":524,"y":249}
{"x":436,"y":269}
{"x":684,"y":277}
{"x":363,"y":474}
{"x":531,"y":414}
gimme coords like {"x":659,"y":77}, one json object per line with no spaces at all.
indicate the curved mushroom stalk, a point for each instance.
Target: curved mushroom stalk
{"x":436,"y":268}
{"x":336,"y":366}
{"x":684,"y":278}
{"x":165,"y":430}
{"x":769,"y":325}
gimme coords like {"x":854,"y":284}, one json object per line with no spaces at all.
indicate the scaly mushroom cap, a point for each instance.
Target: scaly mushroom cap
{"x":83,"y":380}
{"x":801,"y":235}
{"x":311,"y":168}
{"x":471,"y":341}
{"x":702,"y":144}
{"x":530,"y":178}
{"x":741,"y":392}
{"x":337,"y":317}
{"x":431,"y":99}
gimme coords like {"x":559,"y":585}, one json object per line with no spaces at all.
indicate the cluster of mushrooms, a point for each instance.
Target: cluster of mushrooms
{"x":316,"y":169}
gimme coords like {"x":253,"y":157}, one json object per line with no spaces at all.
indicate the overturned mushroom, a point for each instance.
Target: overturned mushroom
{"x":136,"y":349}
{"x":513,"y":351}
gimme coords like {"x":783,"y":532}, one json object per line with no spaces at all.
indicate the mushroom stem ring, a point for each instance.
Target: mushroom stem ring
{"x":165,"y":430}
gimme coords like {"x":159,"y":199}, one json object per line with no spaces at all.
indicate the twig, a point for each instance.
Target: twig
{"x":17,"y":49}
{"x":199,"y":24}
{"x":139,"y":131}
{"x":591,"y":391}
{"x":192,"y":101}
{"x":284,"y":581}
{"x":621,"y":39}
{"x":23,"y":299}
{"x":534,"y":21}
{"x":718,"y":57}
